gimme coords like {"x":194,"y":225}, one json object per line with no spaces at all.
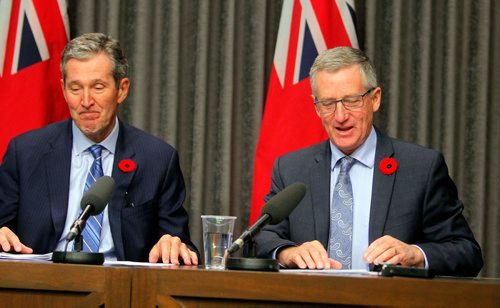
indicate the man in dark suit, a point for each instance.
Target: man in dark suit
{"x":44,"y":171}
{"x":403,"y":206}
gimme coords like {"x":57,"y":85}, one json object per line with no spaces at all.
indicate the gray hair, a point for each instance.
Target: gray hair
{"x":337,"y":58}
{"x":89,"y":45}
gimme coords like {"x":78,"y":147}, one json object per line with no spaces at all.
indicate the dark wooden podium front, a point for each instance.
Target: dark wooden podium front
{"x":193,"y":287}
{"x":29,"y":284}
{"x":45,"y":284}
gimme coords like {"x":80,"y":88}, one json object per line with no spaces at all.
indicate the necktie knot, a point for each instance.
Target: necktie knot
{"x":96,"y":150}
{"x":346,"y":163}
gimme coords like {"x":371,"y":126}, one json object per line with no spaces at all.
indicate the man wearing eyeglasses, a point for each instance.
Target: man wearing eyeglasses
{"x":370,"y":199}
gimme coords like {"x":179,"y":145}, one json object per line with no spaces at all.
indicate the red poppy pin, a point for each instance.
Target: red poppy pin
{"x":388,"y":165}
{"x":127,"y":165}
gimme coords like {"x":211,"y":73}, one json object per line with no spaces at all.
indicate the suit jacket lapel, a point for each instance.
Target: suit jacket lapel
{"x":320,"y":192}
{"x":382,"y":188}
{"x":124,"y":150}
{"x":57,"y":164}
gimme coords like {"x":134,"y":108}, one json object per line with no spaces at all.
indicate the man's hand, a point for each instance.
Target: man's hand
{"x":390,"y":250}
{"x":10,"y":242}
{"x":310,"y":255}
{"x":169,"y":249}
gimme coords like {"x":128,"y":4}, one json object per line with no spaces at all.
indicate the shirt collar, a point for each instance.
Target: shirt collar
{"x":365,"y":154}
{"x":81,"y":142}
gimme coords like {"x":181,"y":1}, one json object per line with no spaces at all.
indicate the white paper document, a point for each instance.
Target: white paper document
{"x":48,"y":257}
{"x":330,"y":272}
{"x":26,"y":256}
{"x":130,"y":263}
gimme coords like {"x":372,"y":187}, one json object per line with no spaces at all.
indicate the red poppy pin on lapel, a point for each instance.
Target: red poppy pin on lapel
{"x":127,"y":165}
{"x":388,"y":165}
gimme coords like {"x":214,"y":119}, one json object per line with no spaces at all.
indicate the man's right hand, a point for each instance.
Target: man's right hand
{"x":310,"y":255}
{"x":9,"y":242}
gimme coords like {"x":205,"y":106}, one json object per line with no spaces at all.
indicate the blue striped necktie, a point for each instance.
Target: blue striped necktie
{"x":92,"y":232}
{"x":340,"y":240}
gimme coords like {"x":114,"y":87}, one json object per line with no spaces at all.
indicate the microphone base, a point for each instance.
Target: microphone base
{"x":252,"y":264}
{"x":78,"y":257}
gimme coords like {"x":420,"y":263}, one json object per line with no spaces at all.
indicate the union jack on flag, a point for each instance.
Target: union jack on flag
{"x":300,"y":26}
{"x":307,"y":27}
{"x":33,"y":34}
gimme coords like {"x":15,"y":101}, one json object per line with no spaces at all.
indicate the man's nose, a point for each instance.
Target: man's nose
{"x":87,"y":100}
{"x":340,"y":112}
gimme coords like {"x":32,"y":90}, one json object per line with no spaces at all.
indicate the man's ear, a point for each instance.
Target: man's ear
{"x":376,"y":99}
{"x":123,"y":90}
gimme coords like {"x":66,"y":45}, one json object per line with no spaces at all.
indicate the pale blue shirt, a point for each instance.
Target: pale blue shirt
{"x":361,"y":175}
{"x":81,"y":160}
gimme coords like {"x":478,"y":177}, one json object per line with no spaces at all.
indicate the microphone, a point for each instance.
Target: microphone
{"x":93,"y":203}
{"x":273,"y":212}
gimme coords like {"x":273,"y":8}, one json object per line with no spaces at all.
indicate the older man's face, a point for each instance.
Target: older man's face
{"x":347,"y":129}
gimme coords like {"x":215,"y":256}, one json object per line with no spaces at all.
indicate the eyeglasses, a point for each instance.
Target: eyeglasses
{"x":327,"y":106}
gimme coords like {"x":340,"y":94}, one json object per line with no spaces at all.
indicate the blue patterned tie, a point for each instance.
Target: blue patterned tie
{"x":340,"y":241}
{"x":92,"y":232}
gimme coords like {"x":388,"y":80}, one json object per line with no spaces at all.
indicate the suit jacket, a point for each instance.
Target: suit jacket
{"x":418,"y":204}
{"x":146,"y":203}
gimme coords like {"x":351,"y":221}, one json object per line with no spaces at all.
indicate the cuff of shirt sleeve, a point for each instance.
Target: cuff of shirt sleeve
{"x":426,"y":263}
{"x":275,"y":252}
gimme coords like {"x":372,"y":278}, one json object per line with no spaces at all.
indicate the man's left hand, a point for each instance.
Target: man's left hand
{"x":170,"y":249}
{"x":387,"y":249}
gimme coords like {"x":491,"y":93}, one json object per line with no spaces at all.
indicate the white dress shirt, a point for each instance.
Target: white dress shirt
{"x":81,"y":161}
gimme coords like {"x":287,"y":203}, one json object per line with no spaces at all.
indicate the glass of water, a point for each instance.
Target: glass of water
{"x":217,"y":237}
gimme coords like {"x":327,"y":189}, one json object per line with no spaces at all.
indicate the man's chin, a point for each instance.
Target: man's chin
{"x":88,"y":129}
{"x":89,"y":132}
{"x":347,"y":146}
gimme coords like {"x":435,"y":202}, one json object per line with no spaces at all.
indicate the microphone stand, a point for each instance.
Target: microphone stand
{"x":249,"y":249}
{"x":251,"y":263}
{"x":78,"y":243}
{"x":77,"y":256}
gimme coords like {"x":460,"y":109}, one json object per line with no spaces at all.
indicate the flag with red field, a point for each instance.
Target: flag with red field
{"x":307,"y":27}
{"x":33,"y":34}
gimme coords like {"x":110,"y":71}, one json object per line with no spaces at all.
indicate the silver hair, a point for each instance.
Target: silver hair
{"x":337,"y":58}
{"x":89,"y":45}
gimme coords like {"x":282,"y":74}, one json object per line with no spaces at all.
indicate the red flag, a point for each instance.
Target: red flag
{"x":307,"y":27}
{"x":33,"y":34}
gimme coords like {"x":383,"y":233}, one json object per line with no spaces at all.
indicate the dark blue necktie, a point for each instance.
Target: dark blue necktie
{"x":340,"y":241}
{"x":92,"y":232}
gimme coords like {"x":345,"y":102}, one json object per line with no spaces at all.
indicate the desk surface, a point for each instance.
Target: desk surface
{"x":24,"y":284}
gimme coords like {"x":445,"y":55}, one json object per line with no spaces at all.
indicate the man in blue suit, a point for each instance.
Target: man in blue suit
{"x":403,"y":206}
{"x":44,"y":171}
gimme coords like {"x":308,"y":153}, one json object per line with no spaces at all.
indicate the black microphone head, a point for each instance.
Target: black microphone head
{"x":98,"y":194}
{"x":284,"y":202}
